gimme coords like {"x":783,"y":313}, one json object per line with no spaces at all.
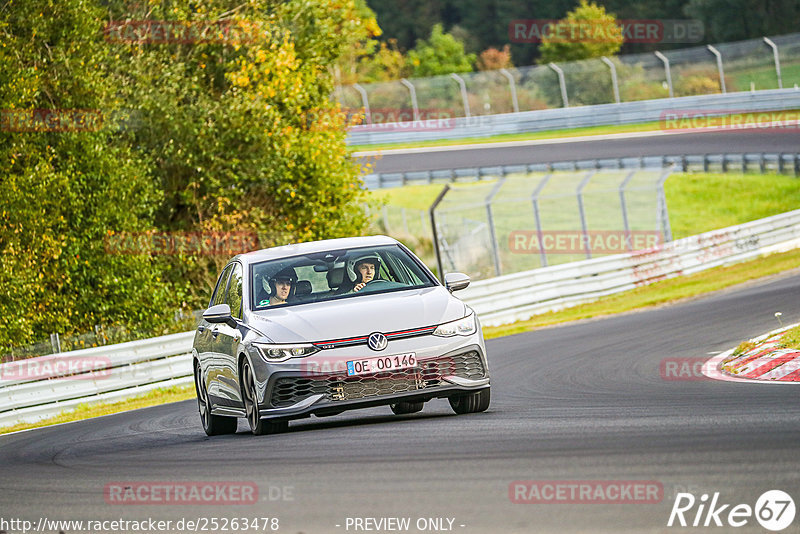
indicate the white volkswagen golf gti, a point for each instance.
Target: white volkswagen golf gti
{"x":323,"y":327}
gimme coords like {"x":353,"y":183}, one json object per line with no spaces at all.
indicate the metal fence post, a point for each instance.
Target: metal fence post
{"x":463,"y":87}
{"x":365,"y":101}
{"x":665,"y":60}
{"x":413,"y":93}
{"x":584,"y":225}
{"x":774,"y":47}
{"x":662,"y":205}
{"x":719,"y":67}
{"x":562,"y":82}
{"x":490,"y":220}
{"x":624,"y":207}
{"x":55,"y":342}
{"x":432,"y":212}
{"x":537,"y":218}
{"x":512,"y":85}
{"x":614,"y":82}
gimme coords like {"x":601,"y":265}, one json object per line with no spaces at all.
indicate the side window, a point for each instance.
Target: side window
{"x":234,"y":298}
{"x":219,"y":293}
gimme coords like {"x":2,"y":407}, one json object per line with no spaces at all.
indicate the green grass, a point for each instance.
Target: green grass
{"x":89,"y":410}
{"x":697,"y":202}
{"x":557,"y":134}
{"x":552,"y":134}
{"x":659,"y":293}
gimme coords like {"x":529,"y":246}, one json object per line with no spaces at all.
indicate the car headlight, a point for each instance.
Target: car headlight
{"x":462,"y":327}
{"x":273,"y":352}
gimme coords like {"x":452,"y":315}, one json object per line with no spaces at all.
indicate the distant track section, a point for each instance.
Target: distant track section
{"x":589,"y":147}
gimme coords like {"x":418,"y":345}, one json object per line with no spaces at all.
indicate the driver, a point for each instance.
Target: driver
{"x":281,"y":285}
{"x":363,"y":270}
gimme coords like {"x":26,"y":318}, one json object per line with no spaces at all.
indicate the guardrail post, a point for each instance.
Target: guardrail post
{"x":537,"y":218}
{"x":463,"y":87}
{"x":774,"y":47}
{"x":55,"y":342}
{"x":512,"y":85}
{"x":614,"y":82}
{"x":413,"y":92}
{"x":663,"y":214}
{"x":562,"y":82}
{"x":762,"y":163}
{"x":705,"y":163}
{"x":490,"y":220}
{"x":432,"y":212}
{"x":584,"y":225}
{"x":665,"y":60}
{"x":624,"y":208}
{"x":719,"y":67}
{"x":365,"y":101}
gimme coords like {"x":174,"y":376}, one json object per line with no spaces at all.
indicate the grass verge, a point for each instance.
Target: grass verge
{"x":697,"y":202}
{"x":86,"y":411}
{"x":734,"y":118}
{"x":664,"y":292}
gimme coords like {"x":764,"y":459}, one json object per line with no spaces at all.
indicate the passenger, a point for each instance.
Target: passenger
{"x":281,"y":287}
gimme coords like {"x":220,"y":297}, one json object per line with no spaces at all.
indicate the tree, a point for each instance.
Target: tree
{"x":440,"y":54}
{"x":586,"y":32}
{"x":494,"y":59}
{"x":242,"y":132}
{"x":67,"y":181}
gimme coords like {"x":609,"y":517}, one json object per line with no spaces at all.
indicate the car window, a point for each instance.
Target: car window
{"x":339,"y":274}
{"x":234,"y":295}
{"x":219,"y":292}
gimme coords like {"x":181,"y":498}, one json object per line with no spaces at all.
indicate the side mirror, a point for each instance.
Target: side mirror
{"x":221,"y":313}
{"x":455,"y":281}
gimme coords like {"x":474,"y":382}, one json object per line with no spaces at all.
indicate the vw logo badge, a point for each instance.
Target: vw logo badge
{"x":377,"y":341}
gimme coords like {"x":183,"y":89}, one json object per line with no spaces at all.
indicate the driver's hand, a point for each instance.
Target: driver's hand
{"x":359,"y":286}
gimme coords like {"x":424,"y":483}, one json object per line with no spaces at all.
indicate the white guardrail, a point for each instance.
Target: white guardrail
{"x":37,"y":388}
{"x":575,"y":117}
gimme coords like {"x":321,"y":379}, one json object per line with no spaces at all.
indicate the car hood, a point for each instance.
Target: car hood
{"x":359,"y":316}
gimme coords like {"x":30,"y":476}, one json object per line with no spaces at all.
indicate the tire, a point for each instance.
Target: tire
{"x":471,"y":402}
{"x":258,"y":426}
{"x":214,"y":425}
{"x":402,"y":408}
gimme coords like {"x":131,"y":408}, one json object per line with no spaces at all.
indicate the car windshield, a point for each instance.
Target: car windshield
{"x":335,"y":274}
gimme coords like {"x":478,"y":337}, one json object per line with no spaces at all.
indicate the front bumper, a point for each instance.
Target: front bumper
{"x":301,"y":388}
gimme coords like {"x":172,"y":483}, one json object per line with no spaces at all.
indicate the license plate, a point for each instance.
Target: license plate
{"x":381,"y":364}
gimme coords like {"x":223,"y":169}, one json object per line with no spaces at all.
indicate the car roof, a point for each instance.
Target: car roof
{"x":297,"y":249}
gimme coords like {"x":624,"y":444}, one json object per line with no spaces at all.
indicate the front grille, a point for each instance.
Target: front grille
{"x":288,"y":391}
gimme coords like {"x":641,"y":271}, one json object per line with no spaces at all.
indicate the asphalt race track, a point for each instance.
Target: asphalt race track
{"x":585,"y":401}
{"x":712,"y":142}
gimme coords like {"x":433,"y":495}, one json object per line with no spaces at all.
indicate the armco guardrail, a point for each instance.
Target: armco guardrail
{"x":577,"y":117}
{"x":781,"y":163}
{"x":36,"y":388}
{"x":519,"y":296}
{"x":118,"y":371}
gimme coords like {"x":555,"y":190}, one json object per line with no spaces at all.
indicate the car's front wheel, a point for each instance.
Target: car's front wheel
{"x":214,"y":425}
{"x":402,"y":408}
{"x":258,"y":426}
{"x":471,"y":402}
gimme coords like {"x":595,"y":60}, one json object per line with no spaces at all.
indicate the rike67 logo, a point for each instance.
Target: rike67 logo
{"x":774,"y":510}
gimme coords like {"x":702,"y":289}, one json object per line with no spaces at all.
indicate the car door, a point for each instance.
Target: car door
{"x":227,"y":338}
{"x":205,"y":340}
